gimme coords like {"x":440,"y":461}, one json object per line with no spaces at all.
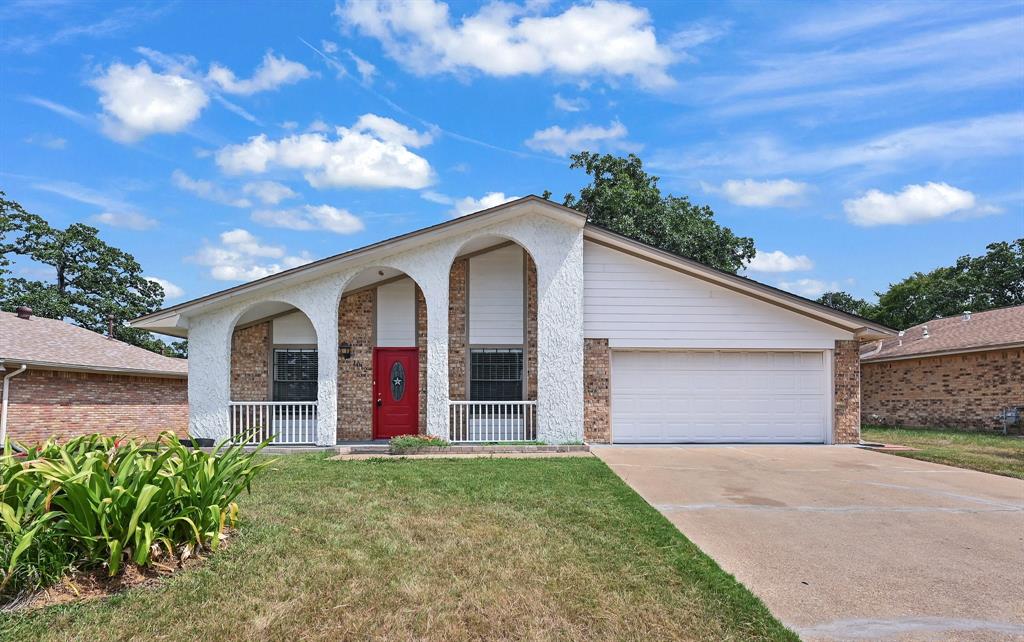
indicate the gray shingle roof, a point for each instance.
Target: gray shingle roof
{"x":1001,"y":327}
{"x":54,"y":343}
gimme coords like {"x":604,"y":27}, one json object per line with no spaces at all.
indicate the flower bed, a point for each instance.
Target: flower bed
{"x":97,"y":502}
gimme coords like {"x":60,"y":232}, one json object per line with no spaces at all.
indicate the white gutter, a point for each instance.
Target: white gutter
{"x":3,"y":410}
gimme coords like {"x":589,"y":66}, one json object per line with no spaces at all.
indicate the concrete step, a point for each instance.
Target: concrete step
{"x":364,"y":449}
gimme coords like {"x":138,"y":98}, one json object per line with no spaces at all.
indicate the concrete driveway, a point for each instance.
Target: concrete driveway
{"x":846,"y":544}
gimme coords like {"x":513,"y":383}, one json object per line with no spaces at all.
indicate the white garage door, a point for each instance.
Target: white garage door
{"x":719,"y":397}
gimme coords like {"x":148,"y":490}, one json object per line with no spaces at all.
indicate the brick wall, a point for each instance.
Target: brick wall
{"x":421,"y":343}
{"x":53,"y":403}
{"x":954,"y":391}
{"x":596,"y":391}
{"x":457,"y":343}
{"x":531,"y":328}
{"x":355,"y":375}
{"x":846,"y":387}
{"x":250,"y":363}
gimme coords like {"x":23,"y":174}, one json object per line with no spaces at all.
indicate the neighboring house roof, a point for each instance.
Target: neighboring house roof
{"x":167,"y":320}
{"x":54,"y":344}
{"x":1001,"y":328}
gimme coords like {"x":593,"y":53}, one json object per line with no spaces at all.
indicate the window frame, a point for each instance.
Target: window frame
{"x":470,"y":349}
{"x":272,"y":379}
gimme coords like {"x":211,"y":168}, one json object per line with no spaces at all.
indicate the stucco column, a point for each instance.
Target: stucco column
{"x":560,"y":335}
{"x":436,"y":296}
{"x":319,"y":301}
{"x":209,"y":375}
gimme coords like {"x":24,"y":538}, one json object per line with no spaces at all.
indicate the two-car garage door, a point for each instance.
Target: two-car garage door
{"x":719,"y":396}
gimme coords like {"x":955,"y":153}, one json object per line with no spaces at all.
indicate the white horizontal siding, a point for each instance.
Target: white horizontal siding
{"x":396,"y":314}
{"x":496,"y":297}
{"x":293,"y":329}
{"x":638,"y":304}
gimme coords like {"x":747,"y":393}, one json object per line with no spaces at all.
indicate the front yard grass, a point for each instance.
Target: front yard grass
{"x":552,"y":549}
{"x":988,"y":452}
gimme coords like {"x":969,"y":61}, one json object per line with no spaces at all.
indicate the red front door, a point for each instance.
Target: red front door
{"x":396,"y":392}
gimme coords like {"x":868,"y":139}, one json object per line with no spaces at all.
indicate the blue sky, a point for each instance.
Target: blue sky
{"x":220,"y":142}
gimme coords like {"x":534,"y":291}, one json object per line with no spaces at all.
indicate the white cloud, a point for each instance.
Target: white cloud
{"x":273,"y":72}
{"x":561,"y":142}
{"x":570,"y":104}
{"x":311,"y":217}
{"x":956,"y":141}
{"x":779,"y":261}
{"x":138,"y":102}
{"x":48,"y":141}
{"x":914,"y":204}
{"x":352,"y":159}
{"x":436,"y":197}
{"x":366,"y":69}
{"x":116,"y":212}
{"x":171,"y":290}
{"x":269,"y":192}
{"x":751,"y":193}
{"x":810,"y":288}
{"x":468,"y":204}
{"x":329,"y":46}
{"x":603,"y":38}
{"x":206,"y":189}
{"x":129,"y":220}
{"x":240,"y":256}
{"x":392,"y":131}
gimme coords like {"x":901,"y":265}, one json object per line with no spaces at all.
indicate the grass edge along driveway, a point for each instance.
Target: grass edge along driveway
{"x":537,"y":549}
{"x":988,"y":452}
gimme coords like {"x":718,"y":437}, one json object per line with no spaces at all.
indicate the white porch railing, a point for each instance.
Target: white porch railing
{"x":288,"y":422}
{"x":482,"y":421}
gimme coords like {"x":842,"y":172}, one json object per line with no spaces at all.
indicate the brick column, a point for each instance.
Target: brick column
{"x":846,"y":388}
{"x":596,"y":391}
{"x":457,"y":341}
{"x":250,"y":363}
{"x":355,"y":375}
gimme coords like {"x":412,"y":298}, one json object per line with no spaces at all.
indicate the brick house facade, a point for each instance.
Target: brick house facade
{"x":62,"y":404}
{"x":78,"y":382}
{"x":966,"y":390}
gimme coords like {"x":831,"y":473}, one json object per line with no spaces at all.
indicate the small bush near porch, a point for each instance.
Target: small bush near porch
{"x":553,"y":549}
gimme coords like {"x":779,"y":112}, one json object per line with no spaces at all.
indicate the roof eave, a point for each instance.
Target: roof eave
{"x":76,"y":367}
{"x":941,"y":353}
{"x":366,"y":253}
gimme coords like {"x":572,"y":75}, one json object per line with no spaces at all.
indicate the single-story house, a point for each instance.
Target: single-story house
{"x":61,"y":380}
{"x":518,"y":322}
{"x":960,"y":372}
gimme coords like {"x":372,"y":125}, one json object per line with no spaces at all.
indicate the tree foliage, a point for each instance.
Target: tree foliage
{"x":993,"y":280}
{"x":623,"y":198}
{"x":93,"y":283}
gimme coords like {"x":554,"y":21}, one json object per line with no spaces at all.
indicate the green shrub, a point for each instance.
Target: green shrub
{"x":407,"y":443}
{"x":98,"y":501}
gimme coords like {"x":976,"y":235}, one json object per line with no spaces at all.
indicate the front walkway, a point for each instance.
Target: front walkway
{"x":846,"y":544}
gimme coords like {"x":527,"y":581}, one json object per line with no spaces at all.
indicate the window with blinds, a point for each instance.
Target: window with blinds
{"x":295,"y":375}
{"x":496,"y":374}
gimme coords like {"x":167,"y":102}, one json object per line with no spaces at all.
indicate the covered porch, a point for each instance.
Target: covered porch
{"x":446,"y":338}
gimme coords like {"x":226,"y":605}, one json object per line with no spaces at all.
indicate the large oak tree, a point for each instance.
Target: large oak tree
{"x":93,"y":283}
{"x":623,"y":198}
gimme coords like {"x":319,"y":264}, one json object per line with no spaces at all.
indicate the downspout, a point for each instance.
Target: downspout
{"x":3,"y":409}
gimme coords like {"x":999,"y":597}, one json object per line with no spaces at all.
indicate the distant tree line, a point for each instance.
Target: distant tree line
{"x":976,"y":283}
{"x":93,"y":284}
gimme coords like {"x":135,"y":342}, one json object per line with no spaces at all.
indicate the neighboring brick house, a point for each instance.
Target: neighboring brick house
{"x":519,"y":322}
{"x":77,"y":382}
{"x":957,"y":372}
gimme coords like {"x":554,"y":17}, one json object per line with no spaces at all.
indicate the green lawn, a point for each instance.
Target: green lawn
{"x":528,"y":549}
{"x":987,"y":452}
